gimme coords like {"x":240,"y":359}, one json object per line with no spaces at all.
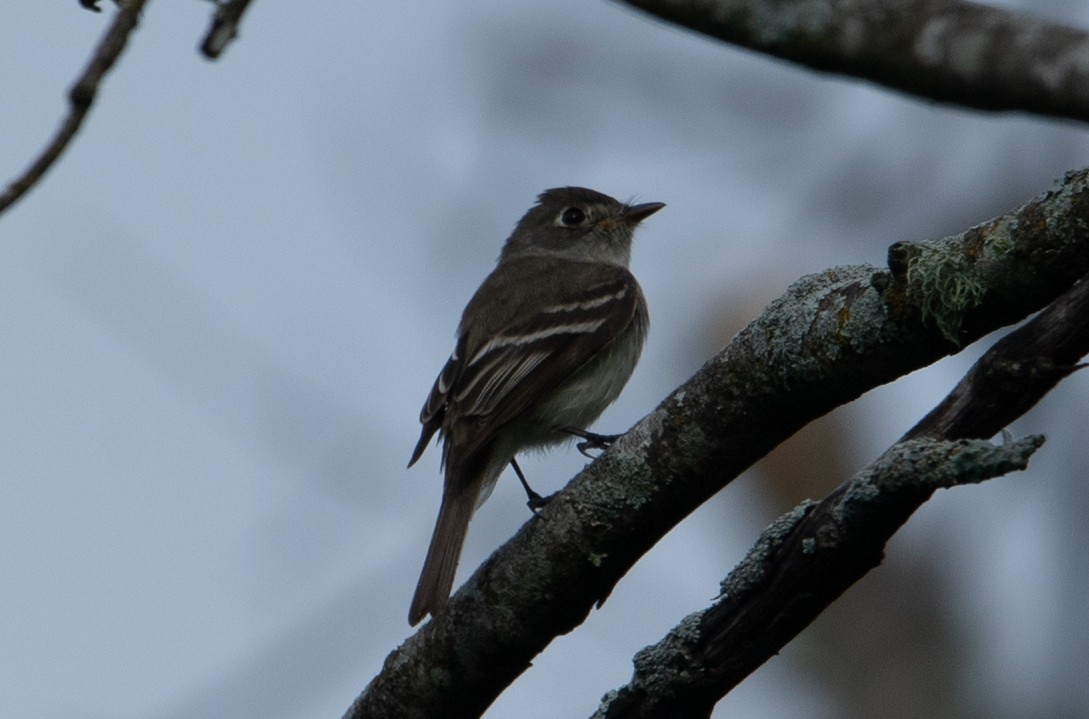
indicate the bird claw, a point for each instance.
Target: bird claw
{"x":536,"y":503}
{"x":591,"y":440}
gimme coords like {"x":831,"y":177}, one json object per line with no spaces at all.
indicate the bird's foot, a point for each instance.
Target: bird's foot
{"x":591,"y":440}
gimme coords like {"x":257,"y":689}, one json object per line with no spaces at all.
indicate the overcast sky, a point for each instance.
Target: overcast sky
{"x":221,"y":312}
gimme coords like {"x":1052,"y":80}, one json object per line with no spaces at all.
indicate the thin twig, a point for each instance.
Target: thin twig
{"x":81,"y":96}
{"x":225,"y":21}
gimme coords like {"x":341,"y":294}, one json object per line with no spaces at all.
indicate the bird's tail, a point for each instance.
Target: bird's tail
{"x":437,"y":576}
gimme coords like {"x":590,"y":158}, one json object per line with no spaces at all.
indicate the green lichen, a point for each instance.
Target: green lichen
{"x":946,"y":286}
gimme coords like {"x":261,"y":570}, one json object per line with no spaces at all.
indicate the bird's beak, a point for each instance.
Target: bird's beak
{"x":634,"y":214}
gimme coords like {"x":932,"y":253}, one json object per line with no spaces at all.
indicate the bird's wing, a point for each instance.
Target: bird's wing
{"x":524,"y":362}
{"x":434,"y":409}
{"x":500,"y":378}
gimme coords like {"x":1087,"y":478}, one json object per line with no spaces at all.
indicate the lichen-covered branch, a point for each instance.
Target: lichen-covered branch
{"x":799,"y":565}
{"x":830,"y":338}
{"x":807,"y":558}
{"x":957,"y":52}
{"x":80,"y":97}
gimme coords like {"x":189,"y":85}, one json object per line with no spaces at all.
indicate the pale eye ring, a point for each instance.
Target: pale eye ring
{"x":571,"y":217}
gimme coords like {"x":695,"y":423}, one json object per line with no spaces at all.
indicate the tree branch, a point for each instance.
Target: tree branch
{"x":956,"y":52}
{"x":807,"y":558}
{"x":224,"y":28}
{"x":800,"y":564}
{"x":1016,"y":373}
{"x":830,"y":338}
{"x":81,"y":96}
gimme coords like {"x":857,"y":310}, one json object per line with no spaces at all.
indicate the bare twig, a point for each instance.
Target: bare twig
{"x":947,"y":50}
{"x":224,"y":28}
{"x":81,"y":96}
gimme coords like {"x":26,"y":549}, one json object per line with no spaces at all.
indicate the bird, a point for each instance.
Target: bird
{"x":546,"y":343}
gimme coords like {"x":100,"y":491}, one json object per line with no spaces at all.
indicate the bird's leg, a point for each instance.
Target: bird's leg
{"x":534,"y":501}
{"x":592,"y":440}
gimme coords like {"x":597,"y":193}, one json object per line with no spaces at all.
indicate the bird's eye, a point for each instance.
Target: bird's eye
{"x":572,"y":217}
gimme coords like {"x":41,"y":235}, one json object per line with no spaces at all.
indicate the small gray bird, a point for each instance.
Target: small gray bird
{"x":546,"y":344}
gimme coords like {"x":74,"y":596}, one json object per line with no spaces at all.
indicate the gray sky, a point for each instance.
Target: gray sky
{"x":221,"y":312}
